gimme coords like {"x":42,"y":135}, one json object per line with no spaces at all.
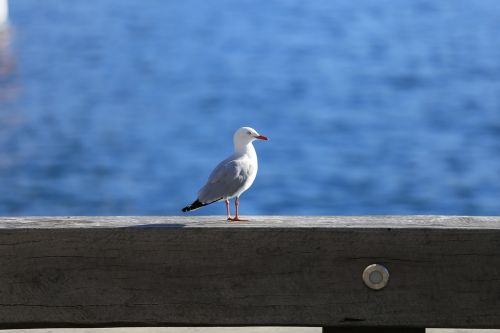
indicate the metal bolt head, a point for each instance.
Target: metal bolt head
{"x":376,"y":276}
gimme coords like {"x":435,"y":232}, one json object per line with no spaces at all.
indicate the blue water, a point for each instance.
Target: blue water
{"x":121,"y":107}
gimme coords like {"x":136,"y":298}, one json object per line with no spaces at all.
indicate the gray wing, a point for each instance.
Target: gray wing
{"x":225,"y":181}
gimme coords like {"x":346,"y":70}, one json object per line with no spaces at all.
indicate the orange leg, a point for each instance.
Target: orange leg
{"x":236,"y":204}
{"x":228,"y":211}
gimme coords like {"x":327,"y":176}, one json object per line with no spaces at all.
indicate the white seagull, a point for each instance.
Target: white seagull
{"x":233,"y":176}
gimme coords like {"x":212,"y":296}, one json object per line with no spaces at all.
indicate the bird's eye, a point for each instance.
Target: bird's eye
{"x":249,"y":133}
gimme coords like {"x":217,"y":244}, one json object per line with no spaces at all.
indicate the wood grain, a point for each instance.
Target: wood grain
{"x":377,"y":222}
{"x":297,"y":271}
{"x":372,"y":330}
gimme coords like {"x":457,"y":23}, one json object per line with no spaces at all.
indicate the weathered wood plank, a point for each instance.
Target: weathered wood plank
{"x":95,"y":271}
{"x":372,"y":222}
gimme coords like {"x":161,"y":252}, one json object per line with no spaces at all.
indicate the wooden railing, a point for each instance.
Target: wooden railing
{"x":286,"y":271}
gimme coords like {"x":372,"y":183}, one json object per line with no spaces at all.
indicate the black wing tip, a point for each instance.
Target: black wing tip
{"x":195,"y":205}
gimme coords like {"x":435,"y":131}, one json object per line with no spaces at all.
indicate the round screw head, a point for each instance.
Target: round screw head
{"x":376,"y":276}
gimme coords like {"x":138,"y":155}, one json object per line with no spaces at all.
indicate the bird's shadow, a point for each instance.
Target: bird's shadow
{"x":159,"y":225}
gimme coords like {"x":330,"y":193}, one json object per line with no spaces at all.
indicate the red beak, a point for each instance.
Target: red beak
{"x":261,"y":137}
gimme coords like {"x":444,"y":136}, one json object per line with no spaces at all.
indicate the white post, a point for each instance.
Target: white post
{"x":4,"y":14}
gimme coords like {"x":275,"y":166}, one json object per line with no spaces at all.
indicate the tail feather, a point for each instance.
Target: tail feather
{"x":197,"y":204}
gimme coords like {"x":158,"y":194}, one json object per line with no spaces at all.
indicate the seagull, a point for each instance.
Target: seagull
{"x":232,"y":176}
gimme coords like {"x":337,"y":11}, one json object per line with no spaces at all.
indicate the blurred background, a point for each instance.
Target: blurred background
{"x":123,"y":107}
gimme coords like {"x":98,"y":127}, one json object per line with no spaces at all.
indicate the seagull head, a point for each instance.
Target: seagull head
{"x":245,"y":135}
